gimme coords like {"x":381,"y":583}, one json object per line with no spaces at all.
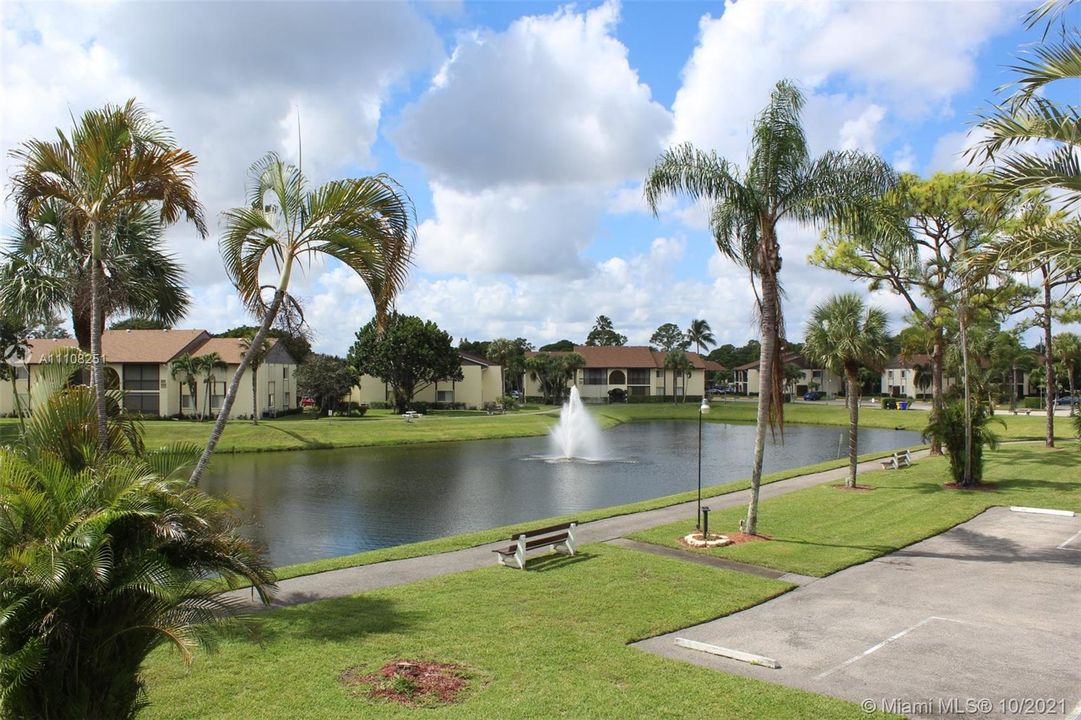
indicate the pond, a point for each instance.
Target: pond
{"x":323,"y":503}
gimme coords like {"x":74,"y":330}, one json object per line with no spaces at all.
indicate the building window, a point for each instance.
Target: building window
{"x":594,"y":376}
{"x":141,"y":377}
{"x":270,"y":394}
{"x":617,"y":377}
{"x":445,"y":396}
{"x":217,"y":395}
{"x":285,"y":372}
{"x":141,"y":403}
{"x":638,"y":377}
{"x":660,"y":373}
{"x":639,"y":390}
{"x":186,"y":402}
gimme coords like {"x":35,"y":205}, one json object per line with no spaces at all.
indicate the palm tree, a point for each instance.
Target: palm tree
{"x":1034,"y":139}
{"x":1068,"y":347}
{"x":781,"y":181}
{"x":44,"y":272}
{"x":701,"y":334}
{"x":187,"y":369}
{"x":116,"y":161}
{"x":258,"y":357}
{"x":844,"y":335}
{"x":207,"y":364}
{"x":680,"y":365}
{"x":502,"y":351}
{"x":104,"y":557}
{"x":365,"y":223}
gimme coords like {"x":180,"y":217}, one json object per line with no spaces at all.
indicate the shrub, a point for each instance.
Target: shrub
{"x":889,"y":403}
{"x":949,"y":429}
{"x":1032,"y":403}
{"x":617,"y":395}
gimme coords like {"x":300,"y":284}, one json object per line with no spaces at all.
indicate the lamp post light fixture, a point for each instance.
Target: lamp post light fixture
{"x":702,"y":410}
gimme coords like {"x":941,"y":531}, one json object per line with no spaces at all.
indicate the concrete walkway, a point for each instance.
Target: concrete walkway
{"x":350,"y":581}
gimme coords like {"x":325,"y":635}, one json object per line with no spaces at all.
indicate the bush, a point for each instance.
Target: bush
{"x":1032,"y":403}
{"x":889,"y":403}
{"x":949,"y":429}
{"x":617,"y":395}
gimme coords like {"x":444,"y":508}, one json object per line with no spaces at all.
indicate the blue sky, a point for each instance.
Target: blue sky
{"x":521,"y":130}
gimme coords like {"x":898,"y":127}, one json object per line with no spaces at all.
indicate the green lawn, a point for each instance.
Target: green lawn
{"x":547,"y":643}
{"x":381,"y":428}
{"x":824,"y":529}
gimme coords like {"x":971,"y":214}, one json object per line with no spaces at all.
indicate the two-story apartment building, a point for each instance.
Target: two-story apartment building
{"x":747,"y":377}
{"x":139,"y":362}
{"x":482,"y":384}
{"x":638,"y":371}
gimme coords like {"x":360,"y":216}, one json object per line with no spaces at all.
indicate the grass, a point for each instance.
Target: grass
{"x":382,"y":428}
{"x":548,"y":643}
{"x":823,"y":529}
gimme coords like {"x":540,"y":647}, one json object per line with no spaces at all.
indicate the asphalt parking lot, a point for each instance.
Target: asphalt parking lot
{"x":982,"y":621}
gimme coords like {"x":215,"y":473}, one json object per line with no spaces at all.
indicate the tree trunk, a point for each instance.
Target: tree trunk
{"x":80,"y":321}
{"x":96,"y":358}
{"x":1049,"y":371}
{"x":254,"y":395}
{"x":767,"y":351}
{"x":853,"y":424}
{"x":938,"y":391}
{"x":234,"y":384}
{"x":962,"y":325}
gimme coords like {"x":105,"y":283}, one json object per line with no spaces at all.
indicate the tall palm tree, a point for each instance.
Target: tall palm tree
{"x":208,"y":365}
{"x":44,"y":272}
{"x":680,"y":365}
{"x":844,"y":335}
{"x":1034,"y":140}
{"x":701,"y":334}
{"x":502,"y":351}
{"x":258,"y":357}
{"x":365,"y":223}
{"x":1068,"y":347}
{"x":186,"y":369}
{"x":115,"y":161}
{"x":781,"y":181}
{"x":104,"y":557}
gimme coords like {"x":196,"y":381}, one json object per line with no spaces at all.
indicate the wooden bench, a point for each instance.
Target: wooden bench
{"x":898,"y":460}
{"x":559,"y":538}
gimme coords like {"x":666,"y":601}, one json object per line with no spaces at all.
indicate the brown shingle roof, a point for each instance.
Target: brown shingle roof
{"x":788,"y":359}
{"x":230,"y":350}
{"x":129,"y":346}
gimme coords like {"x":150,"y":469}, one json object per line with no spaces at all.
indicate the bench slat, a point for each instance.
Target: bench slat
{"x":541,"y":542}
{"x":544,"y":530}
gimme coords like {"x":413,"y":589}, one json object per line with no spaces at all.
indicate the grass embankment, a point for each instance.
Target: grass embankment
{"x":547,"y":643}
{"x":382,"y":428}
{"x":825,"y":529}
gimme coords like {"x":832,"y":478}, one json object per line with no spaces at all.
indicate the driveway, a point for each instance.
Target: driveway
{"x":982,"y":621}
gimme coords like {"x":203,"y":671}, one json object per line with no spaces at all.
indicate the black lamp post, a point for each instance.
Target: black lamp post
{"x":702,"y":410}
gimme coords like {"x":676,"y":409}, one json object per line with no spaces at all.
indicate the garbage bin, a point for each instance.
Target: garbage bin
{"x":903,"y":405}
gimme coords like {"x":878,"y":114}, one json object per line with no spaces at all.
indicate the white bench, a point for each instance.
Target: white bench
{"x":898,"y":460}
{"x":559,"y":538}
{"x":410,"y":415}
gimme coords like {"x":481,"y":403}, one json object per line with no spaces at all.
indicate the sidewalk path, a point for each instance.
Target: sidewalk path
{"x":349,"y":581}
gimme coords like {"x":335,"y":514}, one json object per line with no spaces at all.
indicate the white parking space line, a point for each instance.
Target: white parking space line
{"x":892,"y":638}
{"x":1075,"y":536}
{"x":1041,"y":511}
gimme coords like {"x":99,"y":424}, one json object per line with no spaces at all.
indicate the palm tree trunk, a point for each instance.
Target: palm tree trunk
{"x":254,"y":395}
{"x":853,"y":425}
{"x":1049,"y":371}
{"x":234,"y":384}
{"x":962,"y":325}
{"x":96,"y":359}
{"x":767,"y":351}
{"x":938,"y":354}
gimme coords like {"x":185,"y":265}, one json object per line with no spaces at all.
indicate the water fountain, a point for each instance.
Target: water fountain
{"x":577,"y":436}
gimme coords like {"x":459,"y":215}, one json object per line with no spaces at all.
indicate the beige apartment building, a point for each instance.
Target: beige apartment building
{"x":139,"y":362}
{"x":747,"y":378}
{"x":636,"y":370}
{"x":482,"y":384}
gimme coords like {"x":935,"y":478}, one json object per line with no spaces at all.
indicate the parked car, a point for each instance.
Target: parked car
{"x":1067,"y":400}
{"x":814,"y":395}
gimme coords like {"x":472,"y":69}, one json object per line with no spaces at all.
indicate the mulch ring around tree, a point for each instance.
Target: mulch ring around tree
{"x":857,"y":487}
{"x":415,"y":683}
